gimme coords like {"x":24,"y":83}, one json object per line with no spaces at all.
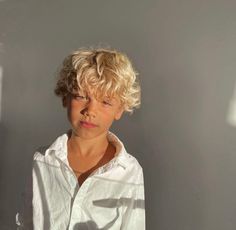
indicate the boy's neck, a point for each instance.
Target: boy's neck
{"x":87,"y":147}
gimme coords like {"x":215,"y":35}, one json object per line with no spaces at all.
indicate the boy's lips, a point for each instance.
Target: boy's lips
{"x":87,"y":124}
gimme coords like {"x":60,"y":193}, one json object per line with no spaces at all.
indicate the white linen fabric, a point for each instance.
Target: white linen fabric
{"x":112,"y":197}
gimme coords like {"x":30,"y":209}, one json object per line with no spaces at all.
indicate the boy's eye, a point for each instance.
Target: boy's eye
{"x":107,"y":103}
{"x":80,"y":97}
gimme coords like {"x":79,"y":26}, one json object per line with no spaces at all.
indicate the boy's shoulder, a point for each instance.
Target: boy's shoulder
{"x":40,"y":152}
{"x":132,"y":165}
{"x":126,"y":158}
{"x":131,"y":160}
{"x":58,"y":145}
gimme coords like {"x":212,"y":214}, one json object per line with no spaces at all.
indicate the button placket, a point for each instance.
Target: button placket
{"x":69,"y":177}
{"x":77,"y":202}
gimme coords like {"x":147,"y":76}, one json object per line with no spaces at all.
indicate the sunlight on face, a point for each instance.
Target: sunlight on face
{"x":231,"y":116}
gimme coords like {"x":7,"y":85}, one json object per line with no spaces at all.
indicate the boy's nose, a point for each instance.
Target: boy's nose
{"x":90,"y":109}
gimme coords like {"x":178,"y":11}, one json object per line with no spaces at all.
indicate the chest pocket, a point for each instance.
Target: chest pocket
{"x":104,"y":208}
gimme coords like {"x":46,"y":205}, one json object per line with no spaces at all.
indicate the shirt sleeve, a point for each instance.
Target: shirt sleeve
{"x":24,"y":215}
{"x":134,"y":217}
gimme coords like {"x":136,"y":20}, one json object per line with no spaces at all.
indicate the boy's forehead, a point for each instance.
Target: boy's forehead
{"x":97,"y":93}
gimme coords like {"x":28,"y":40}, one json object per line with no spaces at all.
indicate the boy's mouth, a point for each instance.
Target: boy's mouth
{"x":86,"y":124}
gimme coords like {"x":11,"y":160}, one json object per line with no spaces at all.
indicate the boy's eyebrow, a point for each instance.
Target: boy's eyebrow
{"x":100,"y":97}
{"x":109,"y":98}
{"x":80,"y":92}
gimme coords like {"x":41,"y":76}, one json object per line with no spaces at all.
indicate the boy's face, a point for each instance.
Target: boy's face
{"x":90,"y":117}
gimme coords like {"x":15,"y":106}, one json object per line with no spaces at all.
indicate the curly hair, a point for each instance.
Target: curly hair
{"x":107,"y":72}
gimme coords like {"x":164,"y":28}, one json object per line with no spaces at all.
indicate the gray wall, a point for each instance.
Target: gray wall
{"x":185,"y":53}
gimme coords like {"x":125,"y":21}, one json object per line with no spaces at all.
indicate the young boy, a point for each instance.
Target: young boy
{"x":86,"y":179}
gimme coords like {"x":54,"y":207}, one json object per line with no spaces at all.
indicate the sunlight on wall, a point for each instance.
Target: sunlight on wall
{"x":1,"y":72}
{"x":231,"y":117}
{"x":1,"y":77}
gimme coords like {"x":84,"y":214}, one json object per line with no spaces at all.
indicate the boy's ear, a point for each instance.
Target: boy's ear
{"x":64,"y":101}
{"x":119,"y":113}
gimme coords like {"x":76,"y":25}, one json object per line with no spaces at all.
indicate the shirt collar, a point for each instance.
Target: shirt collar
{"x":121,"y":154}
{"x":59,"y":148}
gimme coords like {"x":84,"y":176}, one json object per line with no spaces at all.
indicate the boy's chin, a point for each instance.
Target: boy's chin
{"x":89,"y":134}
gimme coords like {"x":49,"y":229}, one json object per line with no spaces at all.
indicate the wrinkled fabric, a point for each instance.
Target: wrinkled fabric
{"x":112,"y":197}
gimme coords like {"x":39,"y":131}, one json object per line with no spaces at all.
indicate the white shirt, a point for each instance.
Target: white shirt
{"x":112,"y":197}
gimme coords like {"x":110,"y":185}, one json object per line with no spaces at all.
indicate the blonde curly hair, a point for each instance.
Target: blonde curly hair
{"x":107,"y":72}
